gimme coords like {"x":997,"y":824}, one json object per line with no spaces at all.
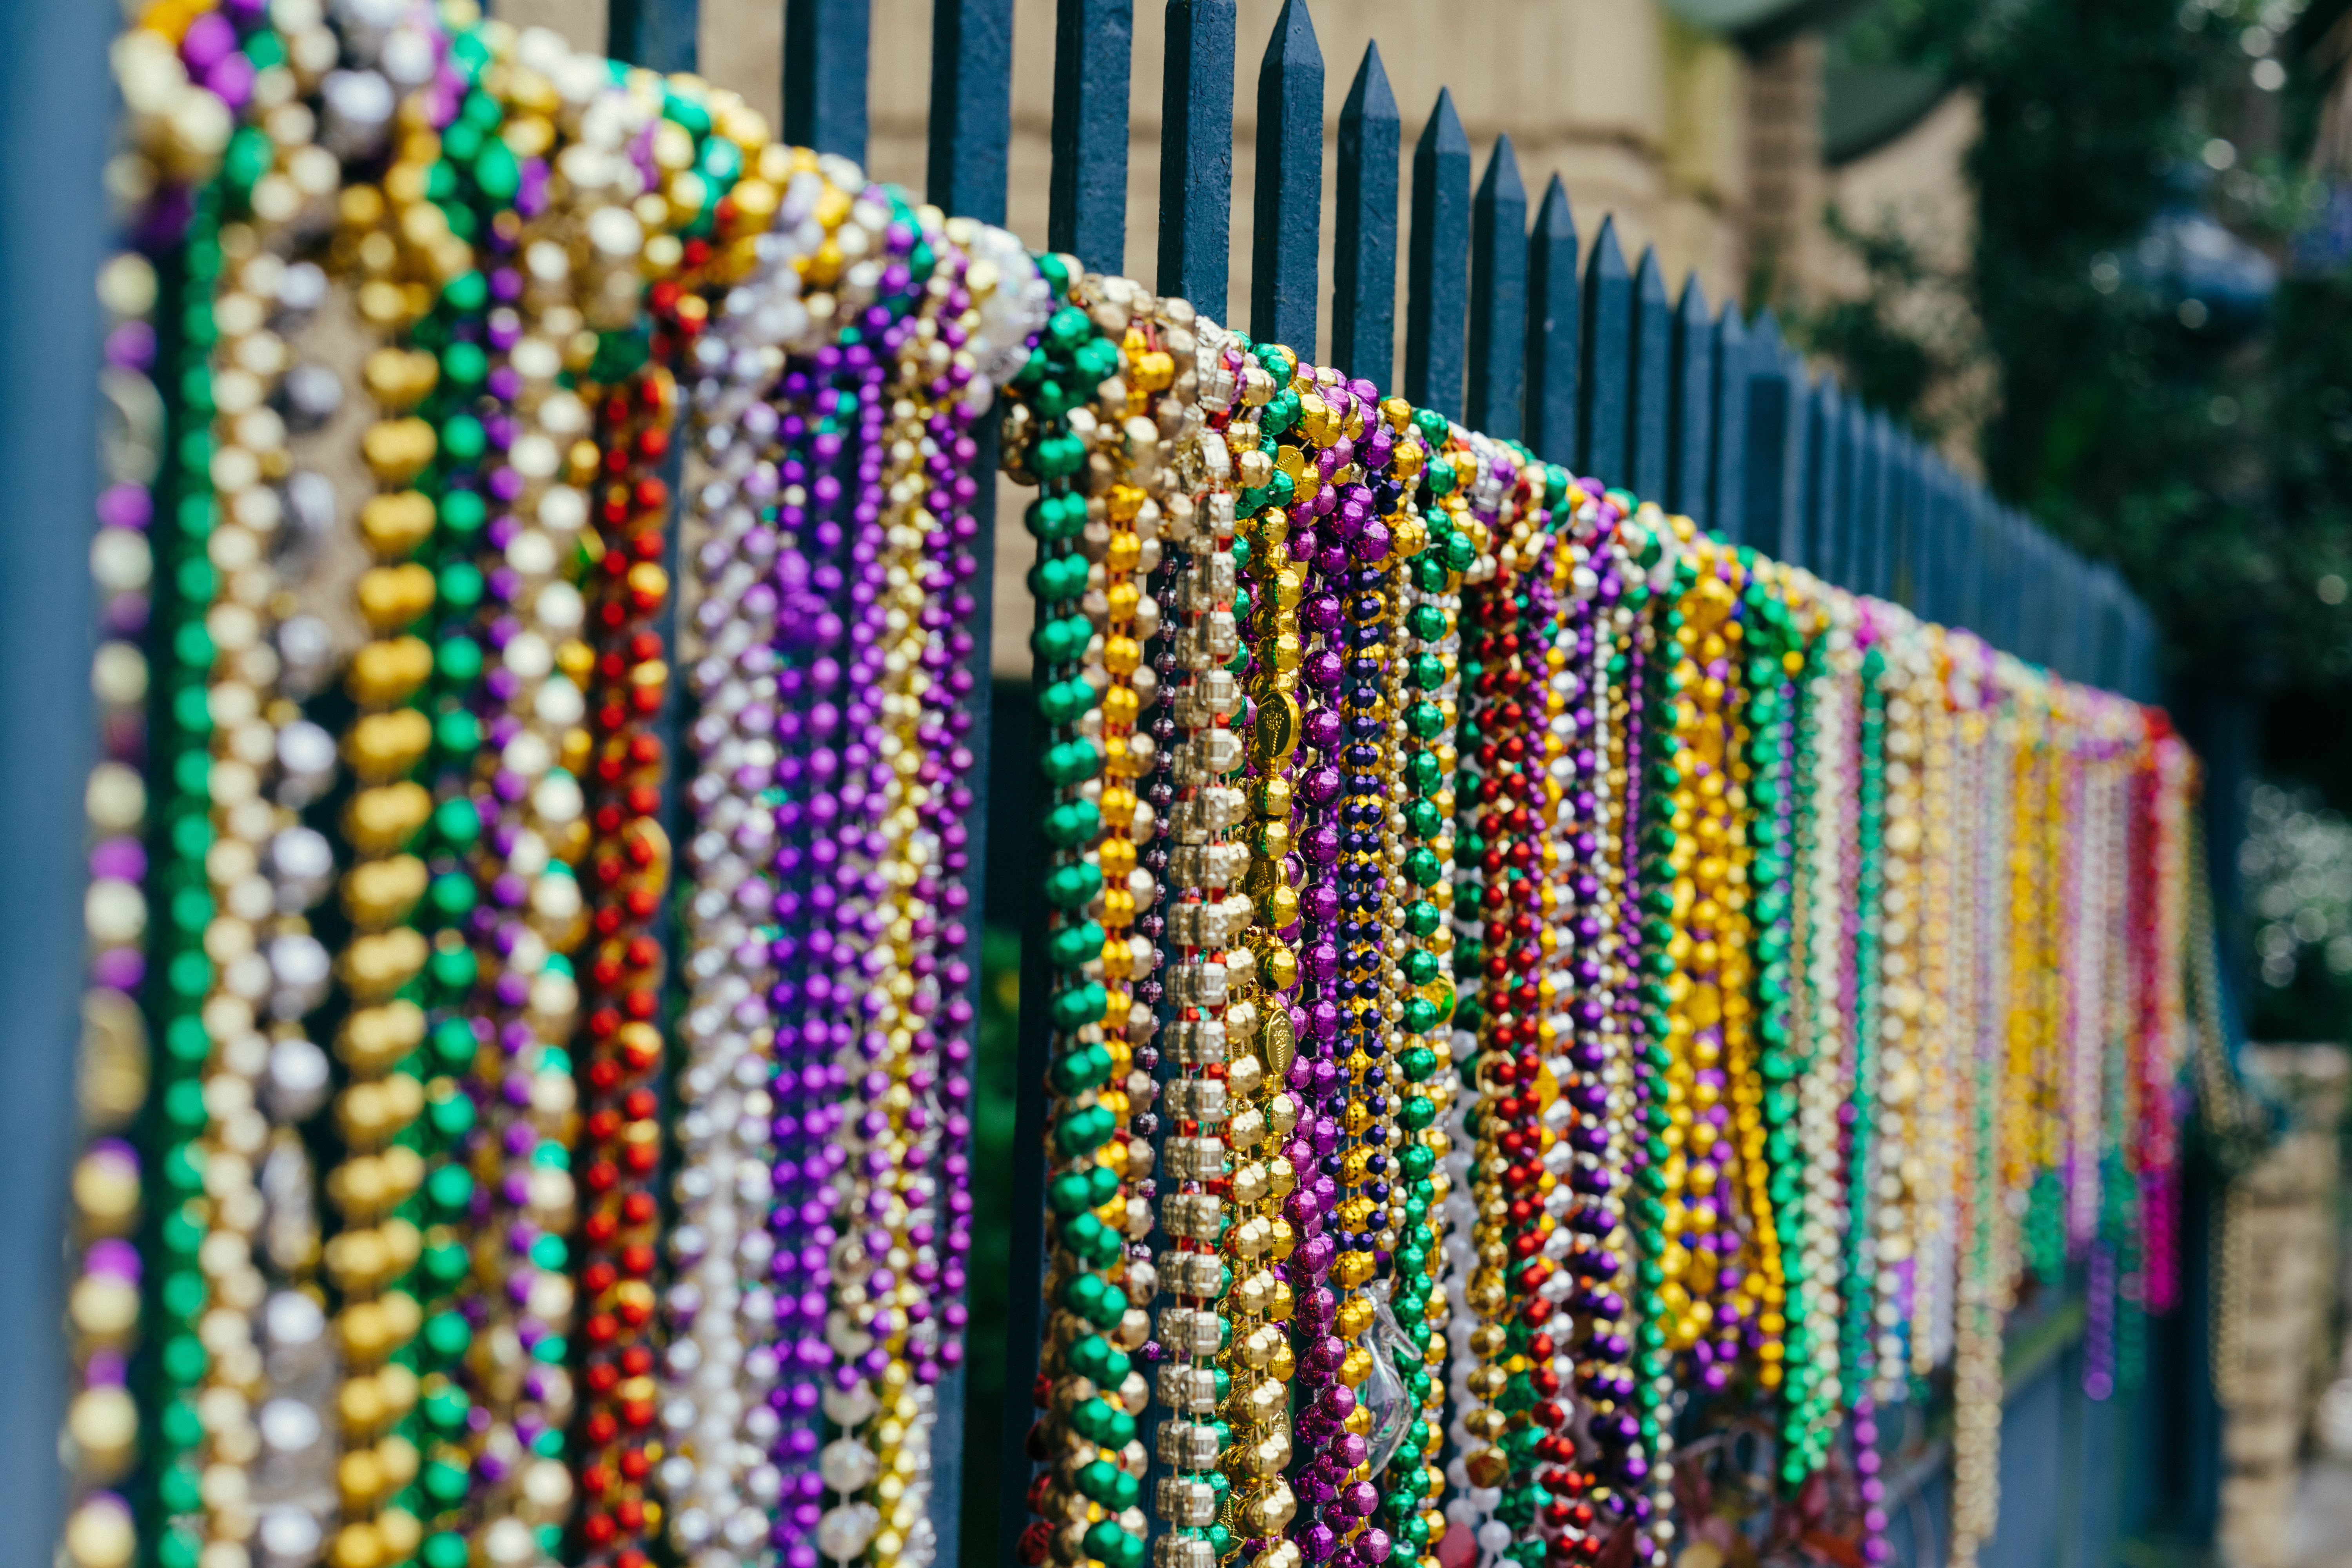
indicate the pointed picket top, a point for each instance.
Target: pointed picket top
{"x":1765,"y":346}
{"x":1196,"y":154}
{"x":1555,"y":327}
{"x":1825,"y":425}
{"x":1498,"y":296}
{"x":1690,"y":406}
{"x":1652,"y":358}
{"x":1728,"y":399}
{"x":1437,"y":303}
{"x":1286,"y":261}
{"x":1363,"y":269}
{"x":1608,"y":360}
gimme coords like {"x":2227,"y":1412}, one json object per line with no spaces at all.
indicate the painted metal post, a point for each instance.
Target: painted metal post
{"x":1824,"y":422}
{"x":1772,"y":503}
{"x":1363,"y":267}
{"x":1196,"y":154}
{"x":1286,"y":258}
{"x":658,"y":35}
{"x":1690,"y":408}
{"x":970,"y":136}
{"x":1555,"y":319}
{"x":1437,"y":276}
{"x":1651,"y":380}
{"x":1498,"y":297}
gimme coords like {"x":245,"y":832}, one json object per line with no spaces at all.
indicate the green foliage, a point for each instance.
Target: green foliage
{"x":2209,"y":457}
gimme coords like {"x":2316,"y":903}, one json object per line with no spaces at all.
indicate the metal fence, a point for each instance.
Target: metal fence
{"x":1591,"y":363}
{"x":1598,"y":366}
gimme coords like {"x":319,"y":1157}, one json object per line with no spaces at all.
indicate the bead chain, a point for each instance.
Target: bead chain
{"x":1425,"y":696}
{"x":1258,"y":1503}
{"x":1067,"y":430}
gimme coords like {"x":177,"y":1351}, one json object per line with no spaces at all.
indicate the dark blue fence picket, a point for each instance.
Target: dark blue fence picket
{"x":1363,"y":263}
{"x":1196,"y":154}
{"x":657,"y":34}
{"x":1498,"y":296}
{"x":1286,"y":255}
{"x":1651,"y":375}
{"x":1607,"y":379}
{"x":1555,"y":328}
{"x":1690,"y":408}
{"x":826,"y":59}
{"x":1778,"y":421}
{"x":1437,"y":265}
{"x":1727,"y":395}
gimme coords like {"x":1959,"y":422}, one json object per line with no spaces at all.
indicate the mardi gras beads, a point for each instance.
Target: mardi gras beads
{"x":1771,"y":1168}
{"x":627,"y":863}
{"x":1939,"y":916}
{"x":1823,"y":758}
{"x":1900,"y":1007}
{"x":1207,"y":916}
{"x":1498,"y":834}
{"x":1262,"y":1029}
{"x":1590,"y":1347}
{"x":1424,"y":696}
{"x":893,"y":1204}
{"x":103,"y":1306}
{"x":1067,"y":430}
{"x":1857,"y":1335}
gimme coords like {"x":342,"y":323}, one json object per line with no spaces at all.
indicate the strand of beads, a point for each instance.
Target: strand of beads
{"x":1823,"y":759}
{"x":1864,"y":1293}
{"x":1447,"y":506}
{"x":1207,"y":916}
{"x":534,"y":916}
{"x":1533,"y":1494}
{"x":1772,"y":1158}
{"x":1092,"y":1397}
{"x":731,"y":1385}
{"x":1506,"y":830}
{"x":244,"y":709}
{"x":1651,"y":780}
{"x":1261,"y":1021}
{"x":103,"y":1421}
{"x":1980,"y":1292}
{"x":1619,"y":1358}
{"x":1424,"y":694}
{"x":1590,"y":1348}
{"x":149,"y":1284}
{"x":1941,"y":998}
{"x":178,"y":1219}
{"x":1301,"y":425}
{"x":1370,"y":980}
{"x":894,"y":1123}
{"x":1756,"y":1297}
{"x":1908,"y":681}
